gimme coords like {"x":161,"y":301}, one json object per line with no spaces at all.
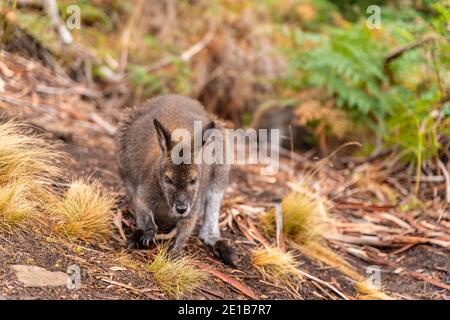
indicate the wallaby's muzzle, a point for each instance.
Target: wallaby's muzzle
{"x":181,"y":208}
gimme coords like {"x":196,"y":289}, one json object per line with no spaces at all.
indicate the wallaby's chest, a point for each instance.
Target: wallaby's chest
{"x":163,"y":218}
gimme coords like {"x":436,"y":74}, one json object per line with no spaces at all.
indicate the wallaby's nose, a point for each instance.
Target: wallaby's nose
{"x":181,"y":208}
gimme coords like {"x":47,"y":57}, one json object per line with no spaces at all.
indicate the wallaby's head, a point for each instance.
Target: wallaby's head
{"x":179,"y":182}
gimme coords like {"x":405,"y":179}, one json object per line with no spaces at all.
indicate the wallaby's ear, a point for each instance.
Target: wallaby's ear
{"x":163,"y":136}
{"x":205,"y":129}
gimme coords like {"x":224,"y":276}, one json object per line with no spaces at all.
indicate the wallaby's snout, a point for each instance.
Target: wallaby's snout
{"x":181,"y":207}
{"x":179,"y":186}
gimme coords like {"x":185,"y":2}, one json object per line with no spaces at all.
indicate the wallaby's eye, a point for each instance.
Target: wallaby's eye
{"x":193,"y":181}
{"x":168,"y":180}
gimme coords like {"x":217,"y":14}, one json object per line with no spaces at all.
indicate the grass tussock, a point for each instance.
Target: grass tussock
{"x":304,"y":214}
{"x":274,"y":264}
{"x":16,"y":207}
{"x":305,"y":217}
{"x":177,"y":277}
{"x":27,"y":157}
{"x":28,"y":168}
{"x":84,"y":211}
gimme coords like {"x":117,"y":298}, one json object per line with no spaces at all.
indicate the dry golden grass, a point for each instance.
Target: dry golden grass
{"x":28,"y":168}
{"x":16,"y":207}
{"x":319,"y":251}
{"x":28,"y":157}
{"x":126,"y":260}
{"x":177,"y":277}
{"x":305,"y":220}
{"x":274,"y":264}
{"x":84,"y":211}
{"x":368,"y":292}
{"x":304,"y":214}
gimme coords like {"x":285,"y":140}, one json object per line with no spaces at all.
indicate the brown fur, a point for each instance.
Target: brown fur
{"x":160,"y":190}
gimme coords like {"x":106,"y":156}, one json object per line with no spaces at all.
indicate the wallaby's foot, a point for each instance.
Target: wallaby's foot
{"x":223,"y":250}
{"x":141,"y":239}
{"x":176,"y":252}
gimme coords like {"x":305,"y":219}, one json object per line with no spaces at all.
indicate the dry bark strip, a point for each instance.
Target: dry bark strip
{"x":230,"y":280}
{"x":387,"y":241}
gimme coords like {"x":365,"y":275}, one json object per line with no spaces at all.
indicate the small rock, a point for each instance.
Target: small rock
{"x":32,"y":276}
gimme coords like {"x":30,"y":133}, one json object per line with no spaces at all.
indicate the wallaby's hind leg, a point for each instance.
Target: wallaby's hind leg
{"x":209,"y":232}
{"x":145,"y":224}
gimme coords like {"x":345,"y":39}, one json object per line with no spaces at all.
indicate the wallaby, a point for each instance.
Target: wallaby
{"x":166,"y":195}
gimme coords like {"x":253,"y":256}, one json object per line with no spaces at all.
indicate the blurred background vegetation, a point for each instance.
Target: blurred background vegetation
{"x":312,"y":66}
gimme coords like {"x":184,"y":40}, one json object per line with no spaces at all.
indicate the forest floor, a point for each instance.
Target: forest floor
{"x":411,"y":249}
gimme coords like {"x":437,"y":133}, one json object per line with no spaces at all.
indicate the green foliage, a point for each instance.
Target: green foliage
{"x":311,"y":15}
{"x":400,"y":101}
{"x":89,"y":13}
{"x":140,"y":76}
{"x":348,"y":63}
{"x":177,"y":77}
{"x":414,"y":126}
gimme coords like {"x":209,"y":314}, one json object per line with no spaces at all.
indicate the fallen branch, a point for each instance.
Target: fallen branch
{"x":386,"y":241}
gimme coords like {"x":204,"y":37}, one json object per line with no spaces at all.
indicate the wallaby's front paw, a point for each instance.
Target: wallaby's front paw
{"x":141,"y":239}
{"x":177,"y":252}
{"x":226,"y":252}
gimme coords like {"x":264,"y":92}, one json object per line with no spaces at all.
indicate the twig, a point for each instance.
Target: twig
{"x":430,"y":179}
{"x":22,"y":103}
{"x":329,"y":295}
{"x":400,"y":51}
{"x":359,"y":205}
{"x":52,"y":11}
{"x":109,"y":128}
{"x":395,"y":220}
{"x":402,"y":249}
{"x":387,"y":241}
{"x":117,"y":221}
{"x":126,"y":286}
{"x":91,"y":93}
{"x":279,"y":229}
{"x":447,"y":178}
{"x":185,"y":56}
{"x":307,"y":275}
